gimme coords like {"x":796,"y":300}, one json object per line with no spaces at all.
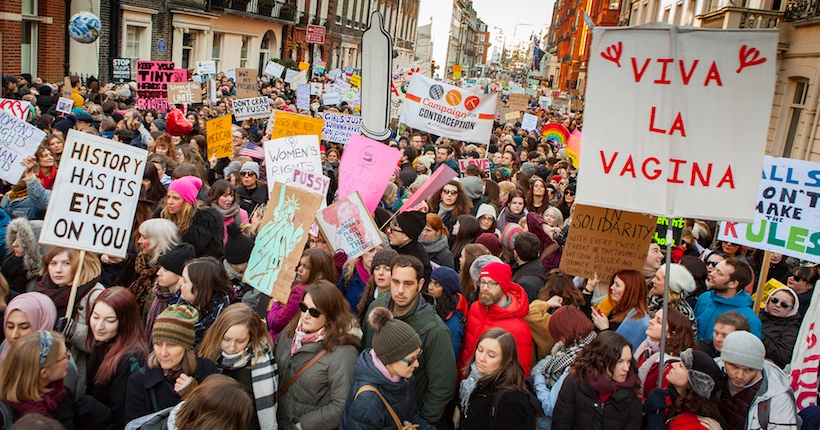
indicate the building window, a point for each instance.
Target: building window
{"x":801,"y":89}
{"x":188,"y":42}
{"x":132,"y":41}
{"x":679,"y":13}
{"x":216,"y":50}
{"x":243,"y":52}
{"x":28,"y":47}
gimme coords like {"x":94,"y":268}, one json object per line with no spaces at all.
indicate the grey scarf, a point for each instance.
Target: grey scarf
{"x":467,"y":387}
{"x":435,"y":245}
{"x":226,"y":213}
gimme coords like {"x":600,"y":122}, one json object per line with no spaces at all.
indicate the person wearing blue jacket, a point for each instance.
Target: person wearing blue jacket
{"x":383,"y":394}
{"x":727,"y":292}
{"x":445,"y":287}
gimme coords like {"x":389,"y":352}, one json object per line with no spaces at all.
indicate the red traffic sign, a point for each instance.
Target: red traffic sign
{"x":315,"y":34}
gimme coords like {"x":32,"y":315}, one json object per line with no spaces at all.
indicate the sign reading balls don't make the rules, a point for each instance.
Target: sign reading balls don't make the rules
{"x":95,"y":195}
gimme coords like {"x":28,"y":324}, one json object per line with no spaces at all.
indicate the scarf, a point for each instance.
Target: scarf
{"x":59,"y":295}
{"x":300,"y":338}
{"x":514,"y":218}
{"x":442,"y":209}
{"x":603,"y":385}
{"x":467,"y":387}
{"x":226,"y":213}
{"x":377,"y":362}
{"x":645,"y":349}
{"x":145,"y":279}
{"x":364,"y":274}
{"x":643,"y":369}
{"x":47,"y":406}
{"x":161,"y":299}
{"x":561,"y":358}
{"x":436,"y":245}
{"x":15,"y":195}
{"x":235,"y":361}
{"x":47,"y":181}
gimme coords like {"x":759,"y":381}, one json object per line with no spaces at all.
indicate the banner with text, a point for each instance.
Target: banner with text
{"x":246,"y":83}
{"x":339,"y":127}
{"x":18,"y":139}
{"x":219,"y":136}
{"x":181,"y":93}
{"x":254,"y":108}
{"x":284,"y":155}
{"x":348,"y":227}
{"x":18,"y":108}
{"x":152,"y":84}
{"x":366,"y":167}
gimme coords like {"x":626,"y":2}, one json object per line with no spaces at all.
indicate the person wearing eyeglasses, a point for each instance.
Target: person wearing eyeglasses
{"x":780,"y":325}
{"x":567,"y":200}
{"x":315,"y":355}
{"x":251,"y":192}
{"x":450,"y":203}
{"x":31,"y":378}
{"x":802,"y":281}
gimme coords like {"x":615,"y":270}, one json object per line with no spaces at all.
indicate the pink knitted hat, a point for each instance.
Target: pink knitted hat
{"x":187,"y":187}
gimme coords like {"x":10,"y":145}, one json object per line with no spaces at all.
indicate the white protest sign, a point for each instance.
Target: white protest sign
{"x":333,"y":98}
{"x":274,"y":69}
{"x":253,"y":108}
{"x":285,"y":154}
{"x":18,"y":108}
{"x":207,"y":67}
{"x":289,"y":74}
{"x":530,"y":122}
{"x":313,"y":182}
{"x":65,"y":105}
{"x":690,"y":124}
{"x":338,"y":127}
{"x":544,"y":102}
{"x":334,"y":74}
{"x":299,"y":78}
{"x":348,"y":226}
{"x":18,"y":139}
{"x":787,"y":214}
{"x":315,"y":88}
{"x":95,"y":195}
{"x":303,"y":96}
{"x":231,"y":73}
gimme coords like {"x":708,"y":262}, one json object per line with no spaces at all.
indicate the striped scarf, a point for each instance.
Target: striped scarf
{"x":264,"y":376}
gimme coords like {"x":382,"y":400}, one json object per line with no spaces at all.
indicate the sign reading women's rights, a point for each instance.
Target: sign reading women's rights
{"x":787,"y":216}
{"x":366,"y":167}
{"x":690,"y":125}
{"x":604,"y":241}
{"x":347,"y":225}
{"x":284,"y":155}
{"x":95,"y":195}
{"x":18,"y":139}
{"x":446,"y":110}
{"x":281,"y":239}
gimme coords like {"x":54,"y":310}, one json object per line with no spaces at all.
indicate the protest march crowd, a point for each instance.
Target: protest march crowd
{"x":459,"y":317}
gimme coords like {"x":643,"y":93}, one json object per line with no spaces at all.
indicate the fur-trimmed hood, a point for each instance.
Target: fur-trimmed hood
{"x":20,"y":228}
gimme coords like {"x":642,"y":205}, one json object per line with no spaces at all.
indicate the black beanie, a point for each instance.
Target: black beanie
{"x":238,"y":247}
{"x":412,"y":223}
{"x":176,"y":257}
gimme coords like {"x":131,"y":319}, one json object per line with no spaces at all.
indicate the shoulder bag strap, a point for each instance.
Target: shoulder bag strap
{"x":387,"y":405}
{"x":301,"y":371}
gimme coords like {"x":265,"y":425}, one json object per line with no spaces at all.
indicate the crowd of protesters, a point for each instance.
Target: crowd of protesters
{"x":461,"y":318}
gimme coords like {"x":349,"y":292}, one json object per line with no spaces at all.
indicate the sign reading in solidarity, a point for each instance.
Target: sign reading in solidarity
{"x":152,"y":84}
{"x":18,"y":139}
{"x":690,"y":125}
{"x":787,"y":212}
{"x":447,"y":110}
{"x":95,"y":195}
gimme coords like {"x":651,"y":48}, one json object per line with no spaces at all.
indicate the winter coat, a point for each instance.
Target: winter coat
{"x":538,"y":318}
{"x":579,"y":407}
{"x":710,"y":306}
{"x":779,"y":337}
{"x":513,"y":410}
{"x":531,"y":276}
{"x":148,"y":390}
{"x":435,"y":378}
{"x":111,"y":395}
{"x":482,"y":318}
{"x":249,"y":200}
{"x":774,"y":397}
{"x":316,"y":400}
{"x":206,"y":233}
{"x":32,"y":206}
{"x":280,"y":314}
{"x":352,"y":289}
{"x":454,"y":323}
{"x":439,"y":252}
{"x":548,"y":396}
{"x":367,"y":411}
{"x":407,"y":174}
{"x":22,"y":272}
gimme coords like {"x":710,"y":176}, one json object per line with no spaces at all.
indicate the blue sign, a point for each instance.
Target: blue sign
{"x":161,"y":46}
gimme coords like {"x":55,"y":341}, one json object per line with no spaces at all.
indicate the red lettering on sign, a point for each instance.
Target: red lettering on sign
{"x":685,"y":77}
{"x":713,"y":75}
{"x":727,"y":178}
{"x":665,"y":62}
{"x":639,"y":75}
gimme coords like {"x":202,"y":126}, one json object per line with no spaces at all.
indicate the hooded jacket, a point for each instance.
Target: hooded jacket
{"x":710,"y":306}
{"x":250,"y":200}
{"x":435,"y":378}
{"x":482,"y":318}
{"x":773,"y":408}
{"x":779,"y":337}
{"x":206,"y":233}
{"x":367,"y":411}
{"x":22,"y":272}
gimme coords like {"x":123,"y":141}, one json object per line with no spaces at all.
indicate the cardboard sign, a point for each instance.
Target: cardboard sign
{"x":482,"y":163}
{"x":17,"y":108}
{"x":677,"y":230}
{"x":182,"y":93}
{"x":219,"y":136}
{"x":787,"y":217}
{"x":207,"y":67}
{"x":284,"y":155}
{"x":95,"y":195}
{"x":291,"y":124}
{"x":152,"y":84}
{"x":313,"y":182}
{"x":64,"y":105}
{"x":303,"y":97}
{"x":121,"y":70}
{"x":246,"y":83}
{"x":274,"y":69}
{"x":449,"y":111}
{"x":605,"y":241}
{"x":512,"y":116}
{"x":519,"y":102}
{"x":530,"y":122}
{"x":303,"y":65}
{"x":18,"y":139}
{"x":440,"y":177}
{"x":689,"y":130}
{"x":281,"y":240}
{"x":356,"y":80}
{"x":348,"y":227}
{"x":366,"y":167}
{"x":339,"y":127}
{"x":254,"y":108}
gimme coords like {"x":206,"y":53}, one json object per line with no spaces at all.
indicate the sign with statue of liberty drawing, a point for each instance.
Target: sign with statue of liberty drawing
{"x":278,"y":248}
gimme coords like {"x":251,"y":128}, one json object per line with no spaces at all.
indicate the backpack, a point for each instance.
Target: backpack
{"x":535,"y":404}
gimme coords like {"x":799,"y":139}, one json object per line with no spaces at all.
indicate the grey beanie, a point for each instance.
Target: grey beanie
{"x":743,"y":349}
{"x":479,"y":263}
{"x":473,"y":187}
{"x":393,"y":339}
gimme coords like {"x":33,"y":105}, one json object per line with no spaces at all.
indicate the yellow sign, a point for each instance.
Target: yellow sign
{"x":219,"y":135}
{"x":291,"y":124}
{"x":456,"y":69}
{"x":356,"y":80}
{"x":303,"y":65}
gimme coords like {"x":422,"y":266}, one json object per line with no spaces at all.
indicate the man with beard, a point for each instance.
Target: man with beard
{"x":726,"y":293}
{"x":501,"y":303}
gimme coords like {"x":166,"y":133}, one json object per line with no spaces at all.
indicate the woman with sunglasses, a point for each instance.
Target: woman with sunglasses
{"x":382,"y":378}
{"x":450,"y":204}
{"x":31,"y":378}
{"x":802,"y":281}
{"x":780,"y":325}
{"x":712,"y":261}
{"x":319,"y":345}
{"x":567,"y":200}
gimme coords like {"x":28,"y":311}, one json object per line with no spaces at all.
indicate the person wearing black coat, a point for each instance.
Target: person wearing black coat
{"x":590,"y":399}
{"x":252,"y":192}
{"x":781,"y":323}
{"x":404,"y":233}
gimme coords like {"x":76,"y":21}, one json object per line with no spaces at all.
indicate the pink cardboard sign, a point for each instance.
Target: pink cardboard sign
{"x":366,"y":167}
{"x":441,"y":176}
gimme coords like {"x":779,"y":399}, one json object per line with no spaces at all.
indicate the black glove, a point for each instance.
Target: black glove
{"x":65,"y":326}
{"x":655,"y":407}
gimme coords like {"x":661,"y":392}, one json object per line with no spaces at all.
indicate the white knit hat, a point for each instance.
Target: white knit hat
{"x":679,"y":278}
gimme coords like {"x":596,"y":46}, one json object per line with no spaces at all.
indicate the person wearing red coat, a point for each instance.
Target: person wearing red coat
{"x":501,"y":303}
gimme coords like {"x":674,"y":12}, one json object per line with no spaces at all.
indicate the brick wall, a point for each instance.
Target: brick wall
{"x":11,"y":31}
{"x":105,"y":41}
{"x":161,"y":27}
{"x":52,"y":38}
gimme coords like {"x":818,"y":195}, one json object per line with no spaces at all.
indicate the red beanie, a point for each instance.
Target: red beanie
{"x":498,"y":272}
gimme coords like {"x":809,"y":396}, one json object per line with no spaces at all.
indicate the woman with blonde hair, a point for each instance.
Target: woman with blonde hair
{"x":201,"y":227}
{"x":157,"y":236}
{"x":241,"y":347}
